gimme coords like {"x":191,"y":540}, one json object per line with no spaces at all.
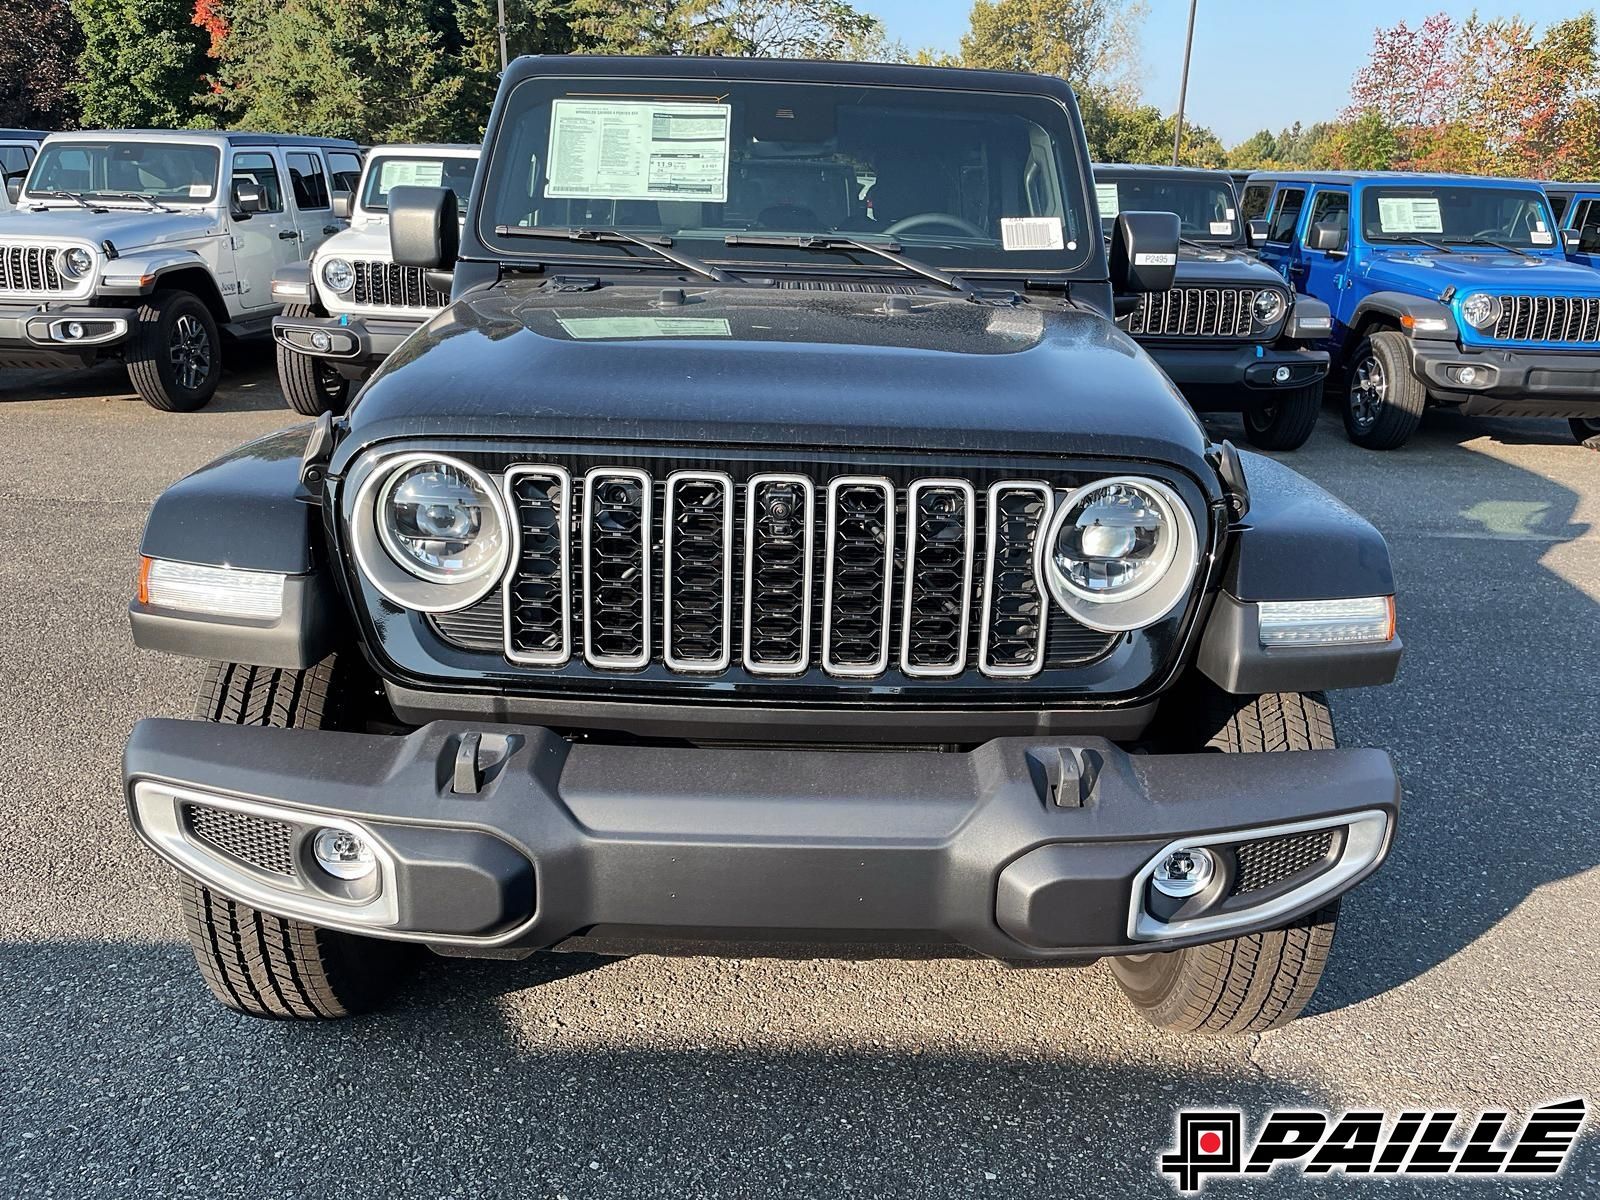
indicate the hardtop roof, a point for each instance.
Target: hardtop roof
{"x":1401,"y":178}
{"x":205,"y":136}
{"x":1215,"y":173}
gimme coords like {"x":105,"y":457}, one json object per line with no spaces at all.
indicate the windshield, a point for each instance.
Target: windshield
{"x":388,"y":173}
{"x":1205,"y":207}
{"x":1513,"y":216}
{"x":169,"y":172}
{"x":962,"y":180}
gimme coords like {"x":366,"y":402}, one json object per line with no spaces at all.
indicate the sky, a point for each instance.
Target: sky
{"x":1256,"y":64}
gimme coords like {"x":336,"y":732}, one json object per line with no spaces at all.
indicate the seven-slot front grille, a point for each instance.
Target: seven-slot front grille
{"x":775,"y":574}
{"x":385,"y":285}
{"x":1195,"y":312}
{"x":32,"y":269}
{"x":1548,"y":319}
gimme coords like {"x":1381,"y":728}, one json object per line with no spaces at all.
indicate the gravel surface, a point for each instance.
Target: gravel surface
{"x":1465,"y":973}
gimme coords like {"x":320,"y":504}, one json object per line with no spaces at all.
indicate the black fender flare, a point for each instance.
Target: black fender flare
{"x":1418,"y":317}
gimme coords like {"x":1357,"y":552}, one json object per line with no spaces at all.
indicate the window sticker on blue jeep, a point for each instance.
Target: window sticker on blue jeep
{"x":1105,"y":197}
{"x":1410,"y":214}
{"x":638,"y":150}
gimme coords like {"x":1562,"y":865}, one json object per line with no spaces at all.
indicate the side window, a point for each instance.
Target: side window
{"x":1286,"y":215}
{"x":1331,"y":208}
{"x":346,"y":168}
{"x":261,"y":170}
{"x":1253,"y":204}
{"x":1586,"y":220}
{"x":1559,"y":205}
{"x":14,"y":162}
{"x":310,"y":185}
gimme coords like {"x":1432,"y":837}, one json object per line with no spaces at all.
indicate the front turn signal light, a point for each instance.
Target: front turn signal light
{"x":1366,"y":620}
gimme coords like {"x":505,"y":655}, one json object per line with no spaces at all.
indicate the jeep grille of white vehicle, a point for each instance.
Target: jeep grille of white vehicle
{"x":384,"y":285}
{"x":1195,"y":312}
{"x":32,"y":270}
{"x":1548,"y":319}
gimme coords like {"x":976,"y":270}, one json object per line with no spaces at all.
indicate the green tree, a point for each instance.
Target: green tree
{"x":1256,"y":150}
{"x":143,"y":63}
{"x":1091,"y":43}
{"x":37,"y":61}
{"x":473,"y":48}
{"x":653,"y":27}
{"x":1139,"y":133}
{"x":1369,"y":143}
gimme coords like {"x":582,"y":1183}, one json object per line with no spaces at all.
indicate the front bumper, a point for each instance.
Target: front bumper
{"x":353,"y":344}
{"x":1231,"y":377}
{"x":60,"y":334}
{"x":1510,"y":383}
{"x":496,"y":837}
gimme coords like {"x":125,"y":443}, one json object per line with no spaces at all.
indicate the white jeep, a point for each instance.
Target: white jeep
{"x":349,"y":306}
{"x":17,"y":148}
{"x":148,"y":245}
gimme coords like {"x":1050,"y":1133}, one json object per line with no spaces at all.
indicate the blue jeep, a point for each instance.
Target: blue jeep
{"x":1444,"y":289}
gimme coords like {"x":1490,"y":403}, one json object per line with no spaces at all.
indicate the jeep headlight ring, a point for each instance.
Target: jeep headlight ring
{"x":338,"y":274}
{"x":74,"y":262}
{"x":1120,"y":553}
{"x":1481,"y":310}
{"x":430,"y":532}
{"x":1268,"y":306}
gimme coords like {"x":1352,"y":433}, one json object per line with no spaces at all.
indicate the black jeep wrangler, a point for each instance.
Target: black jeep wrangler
{"x":774,"y":543}
{"x":1230,"y":333}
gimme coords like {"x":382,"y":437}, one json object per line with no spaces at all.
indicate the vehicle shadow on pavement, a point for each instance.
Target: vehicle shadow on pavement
{"x":249,"y":384}
{"x":1492,"y":719}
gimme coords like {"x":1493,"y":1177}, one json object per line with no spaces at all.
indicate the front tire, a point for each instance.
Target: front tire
{"x":1587,"y":431}
{"x":1259,"y":981}
{"x":1284,"y":422}
{"x":1383,"y":399}
{"x":254,"y":962}
{"x":310,"y":385}
{"x":174,"y":358}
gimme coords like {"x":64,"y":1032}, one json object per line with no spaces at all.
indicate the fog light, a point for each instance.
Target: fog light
{"x":1282,"y":374}
{"x":1468,"y":375}
{"x":321,"y":341}
{"x":1185,"y":871}
{"x":74,"y":329}
{"x":342,"y":854}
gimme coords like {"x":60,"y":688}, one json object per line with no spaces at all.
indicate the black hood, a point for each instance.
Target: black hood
{"x":1223,"y":265}
{"x":779,"y":367}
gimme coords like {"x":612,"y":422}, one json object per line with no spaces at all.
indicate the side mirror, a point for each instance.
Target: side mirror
{"x":1570,"y":238}
{"x":1327,"y":237}
{"x":247,"y":199}
{"x":341,"y":206}
{"x":14,"y":188}
{"x":423,"y":227}
{"x":1257,"y":231}
{"x":1144,"y":251}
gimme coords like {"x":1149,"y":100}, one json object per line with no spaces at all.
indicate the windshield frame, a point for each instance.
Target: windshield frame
{"x":122,"y":195}
{"x":375,"y":161}
{"x":1372,"y":234}
{"x":1087,"y":260}
{"x":1179,"y":177}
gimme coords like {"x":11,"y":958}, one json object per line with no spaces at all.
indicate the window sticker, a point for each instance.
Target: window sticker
{"x":1031,"y":233}
{"x":200,"y":190}
{"x":1222,"y":227}
{"x":1105,"y":197}
{"x":1409,"y":214}
{"x":1230,"y":214}
{"x":591,"y":328}
{"x":638,"y":150}
{"x":1541,"y":237}
{"x":395,"y":173}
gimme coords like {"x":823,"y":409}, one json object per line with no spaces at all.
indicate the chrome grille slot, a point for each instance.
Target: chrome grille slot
{"x":386,"y":285}
{"x":779,"y":517}
{"x":1195,"y":312}
{"x":616,"y":567}
{"x":1014,"y":612}
{"x":32,"y":269}
{"x":697,"y":576}
{"x":936,"y":610}
{"x":858,"y":576}
{"x":1574,"y":319}
{"x":538,"y":596}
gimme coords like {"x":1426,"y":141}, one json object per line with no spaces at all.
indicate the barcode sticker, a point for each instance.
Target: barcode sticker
{"x":1540,"y":237}
{"x":1031,"y":233}
{"x":1221,"y":228}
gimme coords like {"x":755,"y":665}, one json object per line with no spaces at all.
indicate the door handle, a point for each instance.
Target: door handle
{"x":288,"y":235}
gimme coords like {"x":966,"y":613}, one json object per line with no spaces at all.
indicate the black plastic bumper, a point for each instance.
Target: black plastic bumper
{"x":1510,"y":383}
{"x":1218,"y":373}
{"x":497,"y":836}
{"x":43,"y":335}
{"x":353,"y":344}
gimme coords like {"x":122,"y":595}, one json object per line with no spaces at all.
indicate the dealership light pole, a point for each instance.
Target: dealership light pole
{"x":1183,"y":87}
{"x":501,"y":27}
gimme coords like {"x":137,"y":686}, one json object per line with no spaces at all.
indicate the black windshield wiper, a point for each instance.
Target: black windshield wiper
{"x":657,"y":244}
{"x":1483,"y":241}
{"x":829,"y":241}
{"x":148,"y":200}
{"x":1411,"y":237}
{"x":73,"y":196}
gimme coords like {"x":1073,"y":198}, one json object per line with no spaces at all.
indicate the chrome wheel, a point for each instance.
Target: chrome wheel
{"x":189,"y":351}
{"x":1368,"y":390}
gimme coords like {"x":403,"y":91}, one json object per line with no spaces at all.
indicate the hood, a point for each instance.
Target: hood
{"x":125,"y":228}
{"x":1425,"y":273}
{"x":364,"y":241}
{"x":1223,"y":265}
{"x":779,"y":366}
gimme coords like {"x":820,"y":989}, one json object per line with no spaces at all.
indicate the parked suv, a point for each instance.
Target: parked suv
{"x":148,"y":245}
{"x":1228,"y":333}
{"x":707,"y":575}
{"x":17,"y":150}
{"x":1445,"y":289}
{"x":348,"y":307}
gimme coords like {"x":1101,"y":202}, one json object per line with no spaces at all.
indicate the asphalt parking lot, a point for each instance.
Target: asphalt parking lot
{"x":1465,"y":974}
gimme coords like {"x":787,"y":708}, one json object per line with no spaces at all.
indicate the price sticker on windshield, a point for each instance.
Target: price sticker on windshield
{"x":1031,"y":233}
{"x":1409,"y":214}
{"x":638,"y":150}
{"x":1106,"y":199}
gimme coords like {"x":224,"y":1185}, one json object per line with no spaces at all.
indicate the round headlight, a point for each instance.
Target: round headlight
{"x":1480,"y":310}
{"x":1268,"y":306}
{"x":1120,"y":553}
{"x":440,"y":523}
{"x":338,"y":274}
{"x":75,"y":262}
